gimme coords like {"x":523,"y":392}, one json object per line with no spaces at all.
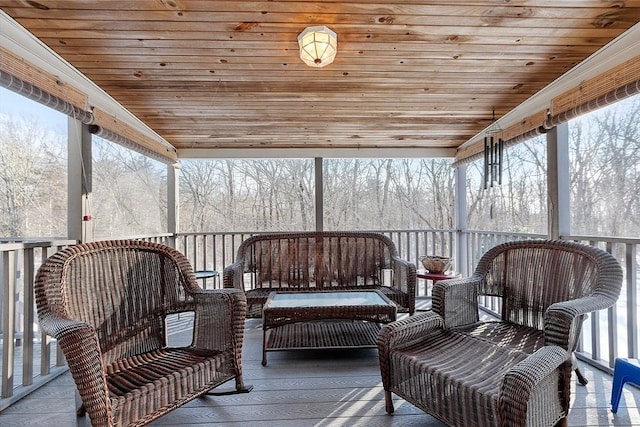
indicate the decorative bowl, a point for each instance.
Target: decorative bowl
{"x":436,"y":264}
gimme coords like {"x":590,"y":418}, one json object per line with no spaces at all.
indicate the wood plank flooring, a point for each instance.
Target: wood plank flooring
{"x":308,"y":388}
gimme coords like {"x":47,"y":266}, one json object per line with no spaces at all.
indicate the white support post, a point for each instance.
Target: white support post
{"x":8,"y":322}
{"x":460,"y":217}
{"x":558,"y":187}
{"x":173,"y":201}
{"x":319,"y":193}
{"x":79,"y":216}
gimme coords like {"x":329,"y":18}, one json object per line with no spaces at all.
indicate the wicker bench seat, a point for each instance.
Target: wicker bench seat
{"x":107,"y":304}
{"x":320,"y":261}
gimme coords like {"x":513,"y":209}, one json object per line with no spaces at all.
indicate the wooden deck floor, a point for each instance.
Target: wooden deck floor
{"x":305,"y":388}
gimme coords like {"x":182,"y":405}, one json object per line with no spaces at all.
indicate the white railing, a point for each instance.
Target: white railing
{"x":478,"y":242}
{"x":30,"y":359}
{"x":614,"y":332}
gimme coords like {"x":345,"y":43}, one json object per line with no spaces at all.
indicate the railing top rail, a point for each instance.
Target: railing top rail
{"x":629,"y":240}
{"x":142,"y":236}
{"x":506,"y":233}
{"x":31,"y":244}
{"x":228,"y":233}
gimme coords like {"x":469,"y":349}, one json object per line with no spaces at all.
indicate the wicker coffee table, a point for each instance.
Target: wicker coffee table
{"x":328,"y":319}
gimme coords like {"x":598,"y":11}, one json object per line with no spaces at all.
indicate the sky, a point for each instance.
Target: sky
{"x":12,"y":104}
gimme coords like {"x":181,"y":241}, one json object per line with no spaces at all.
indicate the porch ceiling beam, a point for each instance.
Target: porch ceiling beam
{"x":328,"y":153}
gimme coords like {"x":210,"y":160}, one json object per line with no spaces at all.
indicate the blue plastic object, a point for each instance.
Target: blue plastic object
{"x":624,"y":370}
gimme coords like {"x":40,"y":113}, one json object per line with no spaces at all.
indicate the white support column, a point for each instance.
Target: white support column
{"x":558,"y":187}
{"x":79,"y":216}
{"x":8,"y":321}
{"x":460,"y":218}
{"x":173,"y":200}
{"x":319,"y":184}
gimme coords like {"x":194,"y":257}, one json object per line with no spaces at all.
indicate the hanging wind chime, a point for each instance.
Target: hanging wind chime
{"x":493,"y":148}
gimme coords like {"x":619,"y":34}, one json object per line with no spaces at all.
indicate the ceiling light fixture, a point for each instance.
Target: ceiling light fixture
{"x":318,"y":46}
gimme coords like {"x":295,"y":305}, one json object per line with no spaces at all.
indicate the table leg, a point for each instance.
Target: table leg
{"x":264,"y":345}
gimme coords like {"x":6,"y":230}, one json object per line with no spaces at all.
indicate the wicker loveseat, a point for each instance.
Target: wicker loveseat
{"x":314,"y":261}
{"x":511,"y":371}
{"x":106,"y":303}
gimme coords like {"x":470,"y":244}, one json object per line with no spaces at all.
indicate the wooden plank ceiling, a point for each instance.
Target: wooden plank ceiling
{"x":417,"y":73}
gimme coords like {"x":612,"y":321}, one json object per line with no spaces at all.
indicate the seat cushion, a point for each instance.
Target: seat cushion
{"x":519,"y":337}
{"x":151,"y":382}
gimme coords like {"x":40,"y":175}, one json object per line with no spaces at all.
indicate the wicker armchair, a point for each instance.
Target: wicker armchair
{"x":106,"y":304}
{"x":512,"y":371}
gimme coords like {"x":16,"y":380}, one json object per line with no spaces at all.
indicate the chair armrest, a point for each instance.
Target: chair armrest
{"x":456,"y":300}
{"x":404,"y":280}
{"x":403,"y":333}
{"x":79,"y":343}
{"x":403,"y":271}
{"x":407,"y":331}
{"x":542,"y":381}
{"x":563,"y":320}
{"x":233,"y":276}
{"x":219,"y":320}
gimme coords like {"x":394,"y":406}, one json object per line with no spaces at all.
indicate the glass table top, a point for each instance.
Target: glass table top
{"x":325,"y":299}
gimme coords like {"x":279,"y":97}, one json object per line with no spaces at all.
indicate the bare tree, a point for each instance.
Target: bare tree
{"x":31,"y":168}
{"x":247,"y":195}
{"x":606,"y":170}
{"x":129,"y":196}
{"x":200,"y":197}
{"x":519,"y":204}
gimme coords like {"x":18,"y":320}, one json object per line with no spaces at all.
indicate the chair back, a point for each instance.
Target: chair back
{"x":123,"y":289}
{"x":531,"y":275}
{"x":317,"y":259}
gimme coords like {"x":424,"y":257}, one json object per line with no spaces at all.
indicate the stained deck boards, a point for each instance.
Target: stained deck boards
{"x":309,"y":388}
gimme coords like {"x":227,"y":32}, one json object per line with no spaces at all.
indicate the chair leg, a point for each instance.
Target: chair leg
{"x":388,"y":402}
{"x":81,"y":411}
{"x":240,"y":388}
{"x":581,"y":378}
{"x":240,"y":385}
{"x":574,"y":364}
{"x":82,"y":420}
{"x":562,"y":423}
{"x":621,"y":371}
{"x":243,"y":389}
{"x":624,"y":370}
{"x":616,"y":392}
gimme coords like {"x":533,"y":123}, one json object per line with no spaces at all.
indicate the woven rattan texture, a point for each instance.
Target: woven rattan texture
{"x":314,"y":261}
{"x":515,"y":371}
{"x":315,"y":335}
{"x":106,"y":304}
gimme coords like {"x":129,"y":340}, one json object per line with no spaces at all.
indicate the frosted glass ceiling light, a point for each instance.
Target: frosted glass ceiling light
{"x":318,"y":46}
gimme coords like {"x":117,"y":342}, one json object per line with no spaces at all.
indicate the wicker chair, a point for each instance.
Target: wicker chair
{"x":106,"y":304}
{"x":511,"y":371}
